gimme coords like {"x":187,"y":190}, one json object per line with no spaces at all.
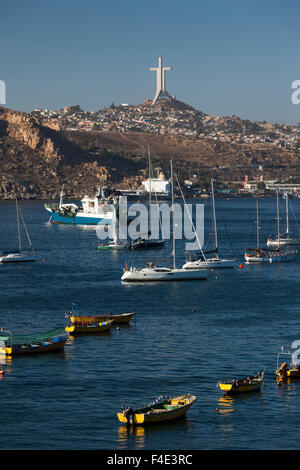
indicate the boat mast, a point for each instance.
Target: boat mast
{"x":61,"y":197}
{"x":174,"y":244}
{"x":287,"y":213}
{"x":278,"y":222}
{"x":27,"y":233}
{"x":214,"y":211}
{"x":115,"y":224}
{"x":18,"y":223}
{"x":257,"y":225}
{"x":150,"y":190}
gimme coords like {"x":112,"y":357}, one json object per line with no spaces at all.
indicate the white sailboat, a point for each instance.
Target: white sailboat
{"x":146,"y":243}
{"x":286,"y":238}
{"x":155,"y":273}
{"x":258,"y":255}
{"x":216,"y":262}
{"x":115,"y":242}
{"x":19,"y":255}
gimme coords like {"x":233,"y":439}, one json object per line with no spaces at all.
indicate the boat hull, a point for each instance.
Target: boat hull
{"x":274,"y":258}
{"x":89,"y":329}
{"x":284,"y":241}
{"x":147,"y":245}
{"x":35,"y":349}
{"x":122,"y":318}
{"x":290,"y":374}
{"x":14,"y":258}
{"x":241,"y":386}
{"x":113,"y":246}
{"x":81,"y":219}
{"x":228,"y":388}
{"x":210,"y":264}
{"x":150,"y":275}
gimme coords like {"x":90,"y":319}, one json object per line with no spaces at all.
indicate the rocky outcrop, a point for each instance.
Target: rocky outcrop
{"x":36,"y":160}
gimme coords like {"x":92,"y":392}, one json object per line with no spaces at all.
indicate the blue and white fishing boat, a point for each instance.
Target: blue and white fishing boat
{"x":94,"y":210}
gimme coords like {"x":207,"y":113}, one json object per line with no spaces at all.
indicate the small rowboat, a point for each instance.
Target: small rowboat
{"x":90,"y":327}
{"x":158,"y":412}
{"x":116,"y":319}
{"x":12,"y":345}
{"x":75,"y":317}
{"x":246,"y":384}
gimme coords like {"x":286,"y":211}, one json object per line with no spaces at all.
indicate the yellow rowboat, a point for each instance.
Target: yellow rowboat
{"x":78,"y":328}
{"x":117,"y":319}
{"x":12,"y":345}
{"x":160,"y":411}
{"x":288,"y":374}
{"x":246,"y":384}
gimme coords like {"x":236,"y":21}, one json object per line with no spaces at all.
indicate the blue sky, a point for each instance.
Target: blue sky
{"x":228,"y":57}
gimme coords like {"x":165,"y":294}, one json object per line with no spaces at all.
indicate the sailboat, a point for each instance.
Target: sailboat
{"x":268,"y":255}
{"x":155,"y":273}
{"x":115,"y":243}
{"x":216,"y":262}
{"x":257,"y":255}
{"x":14,"y":256}
{"x":286,"y":238}
{"x":144,"y":243}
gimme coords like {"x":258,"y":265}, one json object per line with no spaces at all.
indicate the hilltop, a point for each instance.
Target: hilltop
{"x":41,"y":151}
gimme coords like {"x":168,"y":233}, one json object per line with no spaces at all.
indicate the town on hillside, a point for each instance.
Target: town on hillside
{"x":171,"y":117}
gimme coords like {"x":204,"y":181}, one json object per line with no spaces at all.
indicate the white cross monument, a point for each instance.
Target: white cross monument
{"x":161,"y":92}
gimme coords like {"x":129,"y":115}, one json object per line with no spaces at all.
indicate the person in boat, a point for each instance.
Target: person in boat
{"x":128,"y":412}
{"x":283,"y":368}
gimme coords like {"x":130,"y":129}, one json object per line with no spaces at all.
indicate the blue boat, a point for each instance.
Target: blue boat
{"x":95,"y":210}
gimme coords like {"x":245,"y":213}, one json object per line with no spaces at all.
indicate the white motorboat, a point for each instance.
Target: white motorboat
{"x":211,"y":263}
{"x":156,"y":273}
{"x":18,"y":256}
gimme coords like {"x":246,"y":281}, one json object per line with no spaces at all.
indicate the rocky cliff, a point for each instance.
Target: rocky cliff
{"x":36,"y":159}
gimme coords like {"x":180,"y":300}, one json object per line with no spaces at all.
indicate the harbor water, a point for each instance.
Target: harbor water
{"x":185,"y":337}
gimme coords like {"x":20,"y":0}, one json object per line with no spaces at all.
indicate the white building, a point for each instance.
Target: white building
{"x":158,"y":185}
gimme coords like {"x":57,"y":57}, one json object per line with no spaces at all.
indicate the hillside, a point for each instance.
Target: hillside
{"x":36,"y":160}
{"x":38,"y":154}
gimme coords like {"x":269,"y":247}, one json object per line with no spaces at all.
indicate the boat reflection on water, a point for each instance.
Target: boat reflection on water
{"x":137,"y":432}
{"x":226,"y":402}
{"x":136,"y":435}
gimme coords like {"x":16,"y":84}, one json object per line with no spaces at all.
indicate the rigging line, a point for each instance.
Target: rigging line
{"x":196,"y":234}
{"x":18,"y":223}
{"x":295,"y":219}
{"x":26,"y":229}
{"x":160,"y":216}
{"x":228,"y":235}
